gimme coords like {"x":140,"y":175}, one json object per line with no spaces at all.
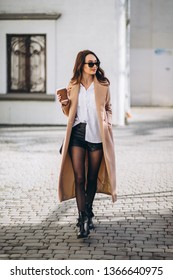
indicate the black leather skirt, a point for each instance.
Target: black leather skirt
{"x":78,"y":139}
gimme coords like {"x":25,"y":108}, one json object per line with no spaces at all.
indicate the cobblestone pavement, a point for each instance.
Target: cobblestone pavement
{"x":138,"y":226}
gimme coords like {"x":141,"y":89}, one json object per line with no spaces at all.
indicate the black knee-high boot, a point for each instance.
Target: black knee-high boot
{"x":90,"y":215}
{"x":83,"y":225}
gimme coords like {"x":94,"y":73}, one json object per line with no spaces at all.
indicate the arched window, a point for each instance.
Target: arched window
{"x":26,"y":63}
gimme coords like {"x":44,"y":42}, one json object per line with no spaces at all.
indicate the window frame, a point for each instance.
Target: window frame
{"x":8,"y":54}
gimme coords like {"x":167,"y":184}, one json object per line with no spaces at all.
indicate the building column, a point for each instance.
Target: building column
{"x":123,"y":94}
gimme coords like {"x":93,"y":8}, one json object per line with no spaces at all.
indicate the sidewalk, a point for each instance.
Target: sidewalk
{"x":138,"y":226}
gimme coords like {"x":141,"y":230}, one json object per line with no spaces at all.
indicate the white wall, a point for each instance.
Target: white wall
{"x":83,"y":25}
{"x":30,"y":112}
{"x":152,"y":52}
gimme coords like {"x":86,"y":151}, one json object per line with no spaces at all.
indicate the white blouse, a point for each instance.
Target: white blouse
{"x":87,"y":113}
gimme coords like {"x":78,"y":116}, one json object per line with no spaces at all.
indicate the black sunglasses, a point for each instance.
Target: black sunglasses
{"x":91,"y":64}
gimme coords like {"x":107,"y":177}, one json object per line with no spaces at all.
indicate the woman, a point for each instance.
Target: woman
{"x":88,"y":160}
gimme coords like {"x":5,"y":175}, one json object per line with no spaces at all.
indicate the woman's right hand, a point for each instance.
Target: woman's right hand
{"x":63,"y":102}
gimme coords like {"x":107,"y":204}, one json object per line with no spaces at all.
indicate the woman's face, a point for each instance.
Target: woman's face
{"x":90,"y":70}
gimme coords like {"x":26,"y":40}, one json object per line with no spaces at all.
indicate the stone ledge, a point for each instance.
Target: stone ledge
{"x":27,"y":97}
{"x":29,"y":16}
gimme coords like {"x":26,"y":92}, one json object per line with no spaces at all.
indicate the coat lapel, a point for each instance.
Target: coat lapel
{"x":100,"y":96}
{"x":74,"y":101}
{"x":100,"y":93}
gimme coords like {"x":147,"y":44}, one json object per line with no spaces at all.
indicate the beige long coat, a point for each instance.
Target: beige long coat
{"x":106,"y":182}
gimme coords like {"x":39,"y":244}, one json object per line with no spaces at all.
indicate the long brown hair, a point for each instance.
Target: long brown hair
{"x":78,"y":69}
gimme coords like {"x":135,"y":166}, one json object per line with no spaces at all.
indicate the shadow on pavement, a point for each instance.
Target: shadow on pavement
{"x":128,"y":235}
{"x":149,"y":127}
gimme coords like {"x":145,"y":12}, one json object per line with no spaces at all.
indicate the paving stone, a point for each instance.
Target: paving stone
{"x":61,"y":256}
{"x":119,"y":257}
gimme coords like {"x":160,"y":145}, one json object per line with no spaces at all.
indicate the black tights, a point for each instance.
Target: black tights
{"x":78,"y":161}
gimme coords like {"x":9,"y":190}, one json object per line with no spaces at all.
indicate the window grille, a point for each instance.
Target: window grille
{"x":26,"y":63}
